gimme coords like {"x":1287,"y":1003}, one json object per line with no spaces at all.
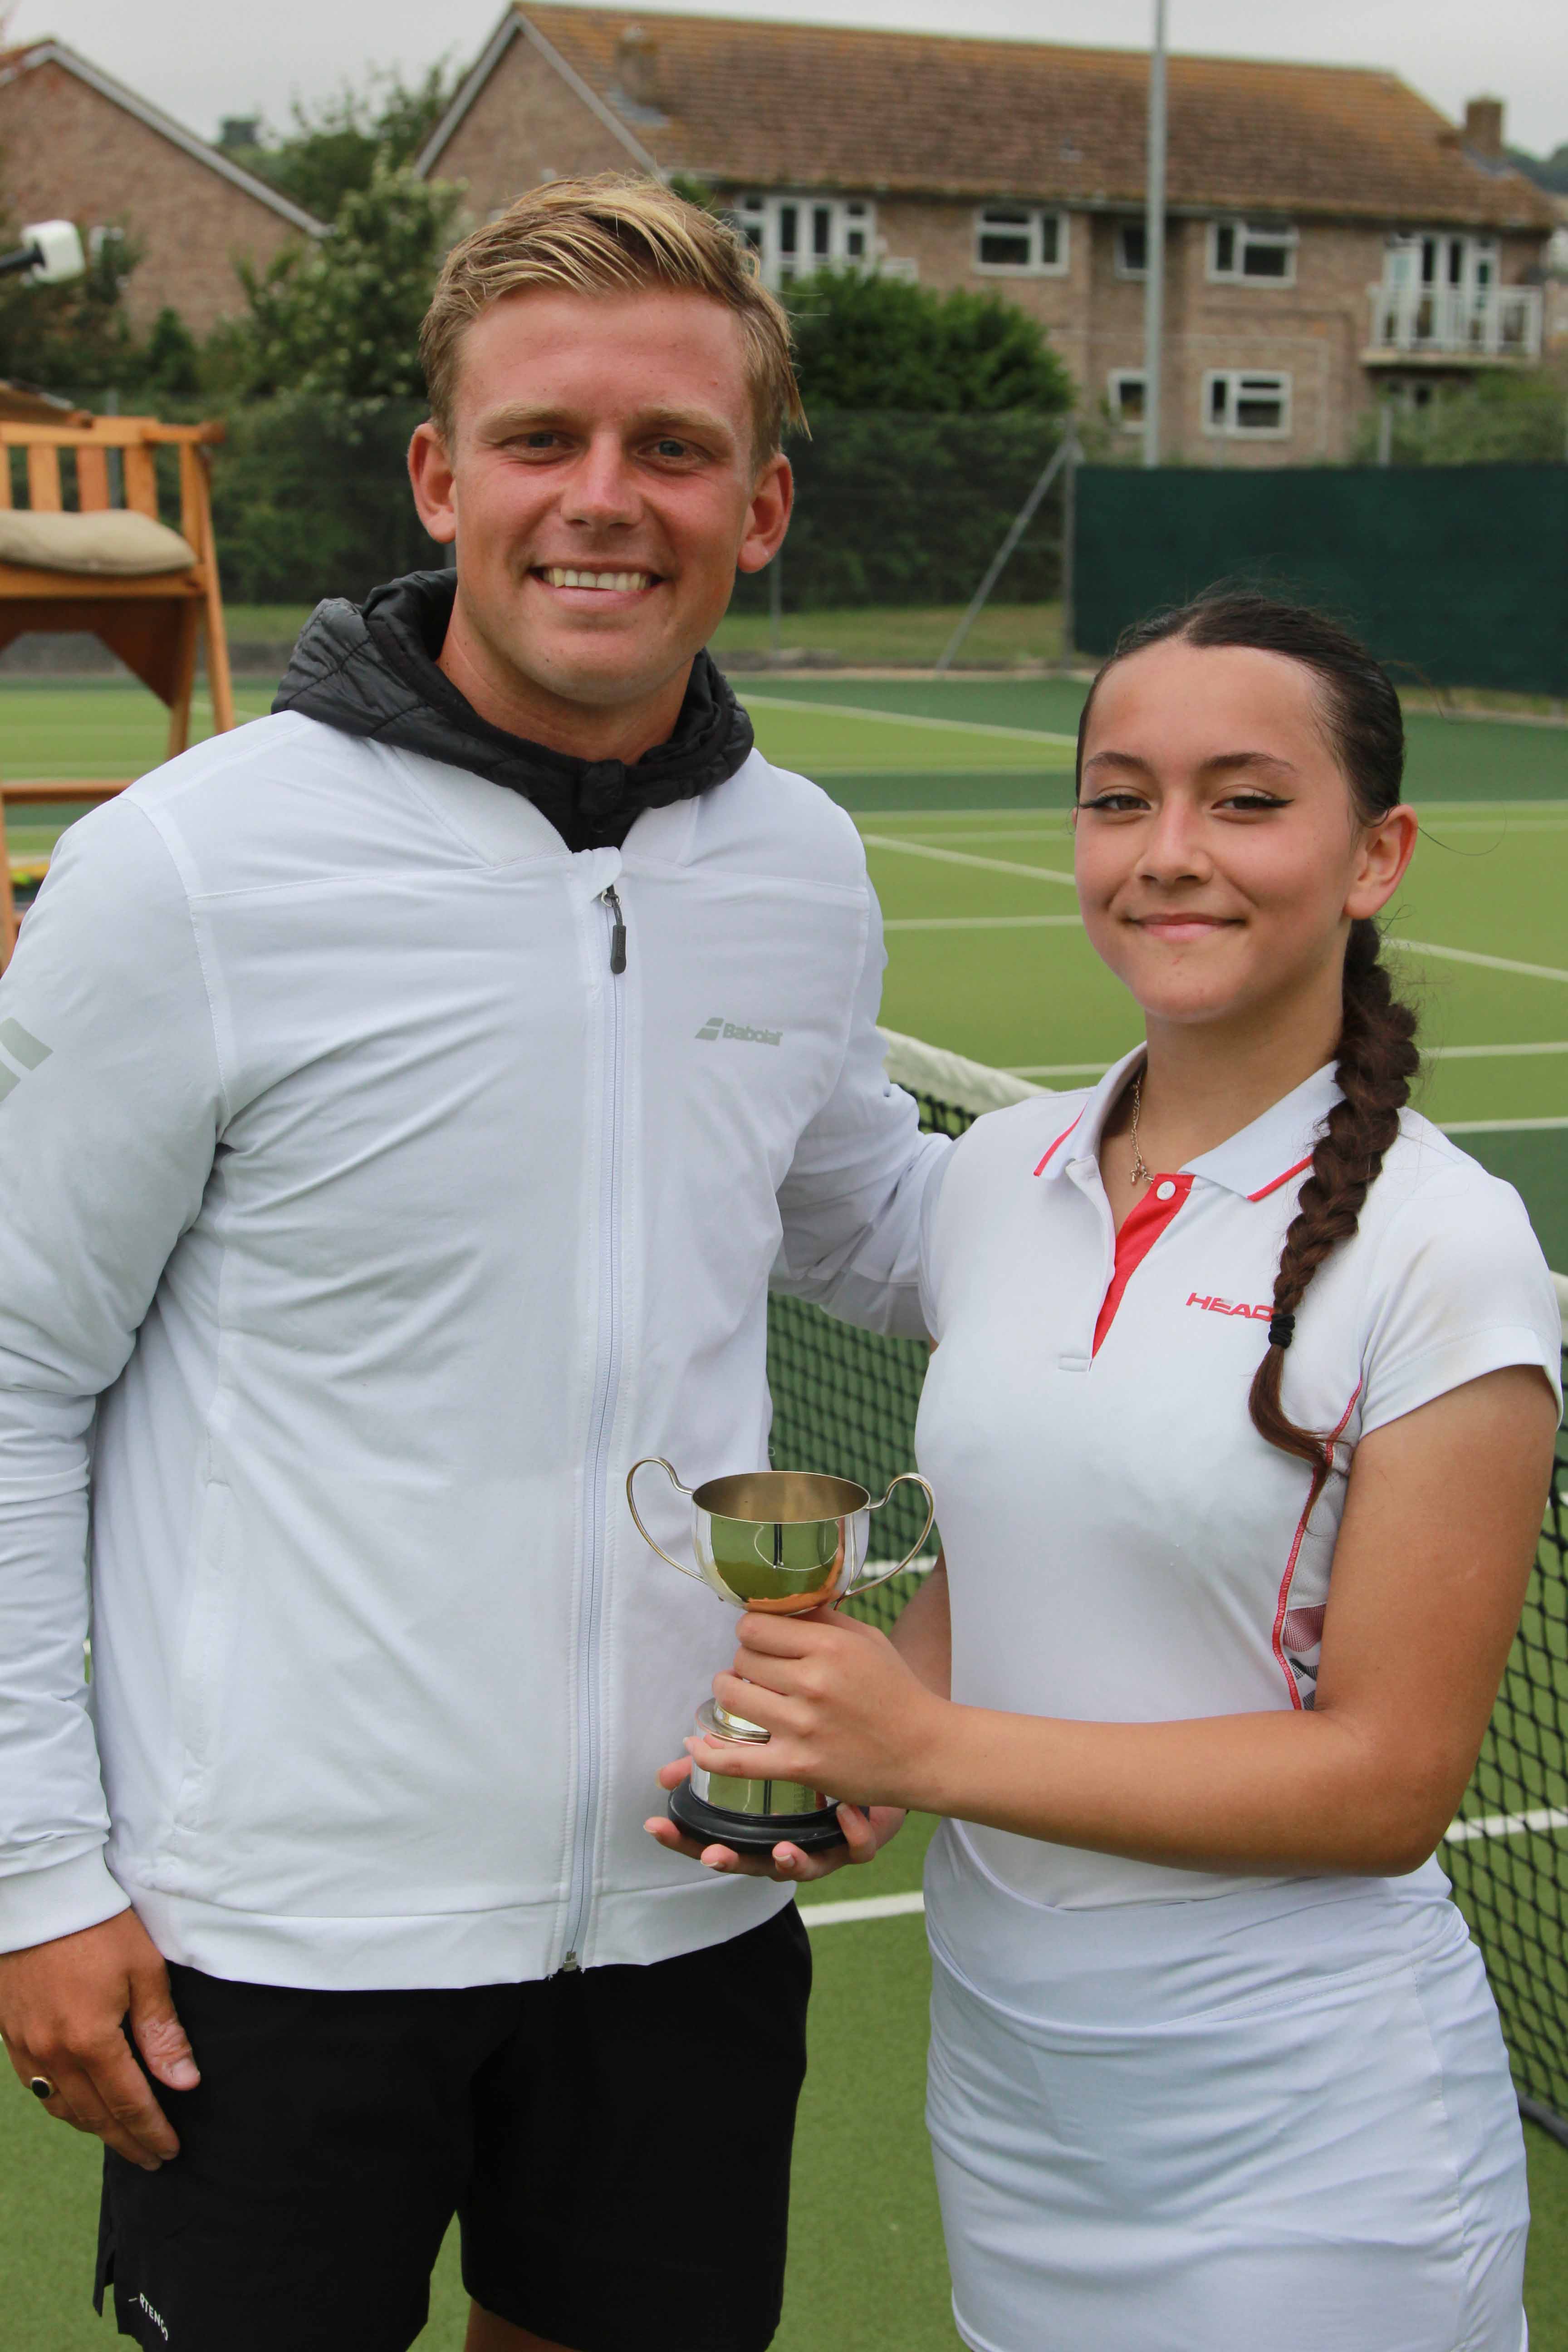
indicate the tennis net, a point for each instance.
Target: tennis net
{"x":844,"y":1403}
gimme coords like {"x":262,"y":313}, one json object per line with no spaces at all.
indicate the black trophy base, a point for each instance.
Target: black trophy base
{"x":751,"y":1833}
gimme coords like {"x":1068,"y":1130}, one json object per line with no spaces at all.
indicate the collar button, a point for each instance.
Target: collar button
{"x":1166,"y":1192}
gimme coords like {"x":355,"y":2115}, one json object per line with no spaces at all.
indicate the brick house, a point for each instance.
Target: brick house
{"x":1330,"y":236}
{"x":78,"y":145}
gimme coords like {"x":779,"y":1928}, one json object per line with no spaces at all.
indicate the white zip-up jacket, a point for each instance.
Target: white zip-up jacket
{"x":362,"y":1226}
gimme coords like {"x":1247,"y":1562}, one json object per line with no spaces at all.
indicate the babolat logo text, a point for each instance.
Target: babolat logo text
{"x":716,"y":1026}
{"x":22,"y":1048}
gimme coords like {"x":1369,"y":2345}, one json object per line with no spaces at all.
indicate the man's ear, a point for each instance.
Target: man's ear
{"x":767,"y":517}
{"x":434,"y":492}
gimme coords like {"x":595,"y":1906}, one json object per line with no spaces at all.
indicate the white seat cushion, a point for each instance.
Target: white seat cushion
{"x":114,"y":541}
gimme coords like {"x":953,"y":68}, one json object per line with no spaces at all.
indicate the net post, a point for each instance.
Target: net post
{"x":1016,"y":529}
{"x":1069,"y":552}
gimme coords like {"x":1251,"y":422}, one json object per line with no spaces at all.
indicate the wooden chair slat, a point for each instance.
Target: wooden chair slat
{"x":5,"y":479}
{"x":44,"y":479}
{"x":93,"y":481}
{"x":140,"y":481}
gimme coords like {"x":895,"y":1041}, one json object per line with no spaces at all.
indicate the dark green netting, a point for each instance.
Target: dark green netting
{"x":1452,"y":574}
{"x":845,"y":1401}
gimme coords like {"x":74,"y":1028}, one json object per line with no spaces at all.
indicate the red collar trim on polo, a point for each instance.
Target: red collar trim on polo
{"x":1142,"y":1230}
{"x":1264,"y":1190}
{"x":1262,"y":1158}
{"x":1093,"y":1114}
{"x":1061,"y":1138}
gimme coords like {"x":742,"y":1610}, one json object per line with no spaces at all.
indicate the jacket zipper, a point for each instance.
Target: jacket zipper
{"x":607,"y":1385}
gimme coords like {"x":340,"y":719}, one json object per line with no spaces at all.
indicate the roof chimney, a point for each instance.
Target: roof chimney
{"x":1483,"y":129}
{"x":637,"y":66}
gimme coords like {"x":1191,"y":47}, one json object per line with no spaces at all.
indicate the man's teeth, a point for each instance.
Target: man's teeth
{"x":559,"y":576}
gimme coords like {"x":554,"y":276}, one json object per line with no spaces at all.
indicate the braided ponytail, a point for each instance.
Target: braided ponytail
{"x":1376,"y":1059}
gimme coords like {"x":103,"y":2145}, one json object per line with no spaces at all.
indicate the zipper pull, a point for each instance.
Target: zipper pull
{"x":618,"y":936}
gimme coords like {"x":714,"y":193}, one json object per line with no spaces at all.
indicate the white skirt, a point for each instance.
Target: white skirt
{"x":1326,"y":2158}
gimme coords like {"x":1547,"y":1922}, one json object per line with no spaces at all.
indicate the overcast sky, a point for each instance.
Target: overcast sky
{"x":200,"y":63}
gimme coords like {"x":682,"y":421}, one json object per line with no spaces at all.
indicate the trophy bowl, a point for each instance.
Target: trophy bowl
{"x":781,"y":1541}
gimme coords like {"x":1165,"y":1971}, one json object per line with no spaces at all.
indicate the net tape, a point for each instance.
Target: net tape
{"x":845,"y":1401}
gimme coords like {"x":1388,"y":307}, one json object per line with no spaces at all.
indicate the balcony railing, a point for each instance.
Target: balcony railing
{"x":1500,"y":323}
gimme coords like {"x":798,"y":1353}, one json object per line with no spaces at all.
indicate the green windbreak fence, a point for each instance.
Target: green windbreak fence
{"x":1457,"y":574}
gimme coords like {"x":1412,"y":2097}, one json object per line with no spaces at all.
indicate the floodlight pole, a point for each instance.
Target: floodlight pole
{"x":1154,"y":243}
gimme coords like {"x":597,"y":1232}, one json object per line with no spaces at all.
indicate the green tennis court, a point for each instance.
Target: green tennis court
{"x":961,"y":789}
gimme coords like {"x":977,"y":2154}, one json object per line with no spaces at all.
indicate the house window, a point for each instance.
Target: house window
{"x":1438,"y":260}
{"x":1023,"y":240}
{"x":1246,"y":404}
{"x":1126,"y":399}
{"x":1261,"y":251}
{"x":1131,"y":250}
{"x":793,"y":236}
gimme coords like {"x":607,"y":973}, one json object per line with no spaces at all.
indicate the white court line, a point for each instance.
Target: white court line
{"x":1492,"y":1825}
{"x":1507,"y":826}
{"x":1487,"y":962}
{"x":1429,"y":1053}
{"x":1499,"y":1126}
{"x":1052,"y":822}
{"x":986,"y":865}
{"x":1483,"y":1052}
{"x":864,"y":1906}
{"x":983,"y":923}
{"x":906,"y":718}
{"x":901,"y":1907}
{"x":932,"y":816}
{"x":1544,"y":807}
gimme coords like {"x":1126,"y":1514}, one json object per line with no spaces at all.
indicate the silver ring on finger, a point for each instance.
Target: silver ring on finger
{"x":42,"y":2088}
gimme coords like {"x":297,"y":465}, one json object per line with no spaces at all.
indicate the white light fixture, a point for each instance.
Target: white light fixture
{"x":51,"y":253}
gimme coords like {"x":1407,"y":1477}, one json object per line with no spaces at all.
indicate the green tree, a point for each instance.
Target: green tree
{"x":171,"y":361}
{"x":869,"y":342}
{"x":337,"y":144}
{"x":1500,"y":420}
{"x":1550,"y":171}
{"x":341,"y":318}
{"x":74,"y":339}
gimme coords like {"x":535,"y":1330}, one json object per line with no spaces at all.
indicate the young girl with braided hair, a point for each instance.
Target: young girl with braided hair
{"x":1241,"y":1425}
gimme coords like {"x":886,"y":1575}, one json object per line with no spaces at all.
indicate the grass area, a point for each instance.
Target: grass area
{"x":867,"y":635}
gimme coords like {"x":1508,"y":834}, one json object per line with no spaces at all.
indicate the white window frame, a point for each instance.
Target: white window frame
{"x":1005,"y":219}
{"x":1124,"y":268}
{"x":1425,"y":258}
{"x":1274,"y":236}
{"x":1236,"y":382}
{"x":767,"y":219}
{"x":1117,"y":382}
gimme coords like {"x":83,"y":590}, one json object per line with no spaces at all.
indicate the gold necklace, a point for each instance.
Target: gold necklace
{"x":1141,"y":1172}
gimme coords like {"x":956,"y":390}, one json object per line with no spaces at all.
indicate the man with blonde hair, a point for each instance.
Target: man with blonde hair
{"x":405,"y":1103}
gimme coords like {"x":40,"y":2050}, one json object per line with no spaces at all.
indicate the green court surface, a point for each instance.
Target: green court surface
{"x":867,"y":2270}
{"x":962,"y":787}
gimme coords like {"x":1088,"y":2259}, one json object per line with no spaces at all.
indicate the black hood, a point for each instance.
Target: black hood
{"x":370,"y":670}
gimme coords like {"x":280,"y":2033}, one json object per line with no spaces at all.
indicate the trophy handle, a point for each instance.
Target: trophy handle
{"x":904,"y":1478}
{"x":657,"y":1462}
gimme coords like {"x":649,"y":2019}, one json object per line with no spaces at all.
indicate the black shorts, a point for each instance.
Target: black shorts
{"x":616,"y":2144}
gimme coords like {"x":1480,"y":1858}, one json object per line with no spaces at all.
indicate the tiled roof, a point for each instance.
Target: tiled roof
{"x":806,"y":106}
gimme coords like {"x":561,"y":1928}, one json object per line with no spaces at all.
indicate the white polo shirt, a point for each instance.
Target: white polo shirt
{"x":1122,"y":1545}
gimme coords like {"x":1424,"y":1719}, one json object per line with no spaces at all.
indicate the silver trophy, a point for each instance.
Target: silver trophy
{"x":781,"y":1541}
